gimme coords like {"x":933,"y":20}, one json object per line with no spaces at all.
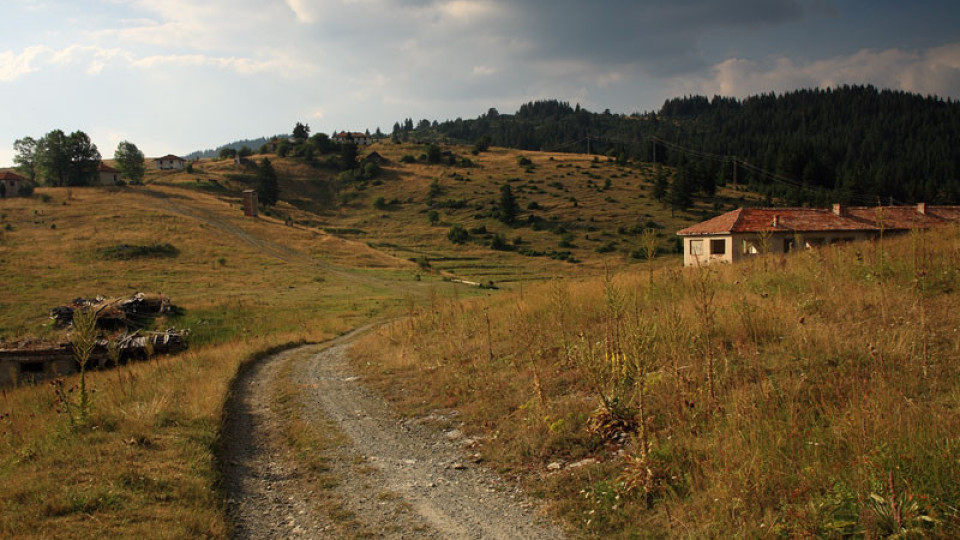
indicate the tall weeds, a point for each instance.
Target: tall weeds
{"x":746,"y":401}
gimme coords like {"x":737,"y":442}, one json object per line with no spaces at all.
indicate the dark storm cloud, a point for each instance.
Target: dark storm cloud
{"x":662,"y":38}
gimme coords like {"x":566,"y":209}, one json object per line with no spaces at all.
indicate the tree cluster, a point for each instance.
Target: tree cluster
{"x":58,"y":159}
{"x":849,"y":144}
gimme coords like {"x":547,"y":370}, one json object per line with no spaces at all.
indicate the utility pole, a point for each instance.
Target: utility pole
{"x":588,"y":145}
{"x":734,"y":172}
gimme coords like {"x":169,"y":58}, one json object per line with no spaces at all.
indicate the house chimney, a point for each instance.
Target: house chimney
{"x":839,"y":209}
{"x":922,"y":208}
{"x":776,"y":221}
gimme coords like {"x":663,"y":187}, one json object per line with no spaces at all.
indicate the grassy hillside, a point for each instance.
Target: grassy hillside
{"x":573,"y":207}
{"x":311,"y":269}
{"x":808,"y":396}
{"x":145,"y":467}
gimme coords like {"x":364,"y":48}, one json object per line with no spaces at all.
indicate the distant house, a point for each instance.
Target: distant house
{"x":356,"y":138}
{"x":374,"y":157}
{"x":107,"y":175}
{"x":10,"y":184}
{"x":746,"y":232}
{"x":170,"y":161}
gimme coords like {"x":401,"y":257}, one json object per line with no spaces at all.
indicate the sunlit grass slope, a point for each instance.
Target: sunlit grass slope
{"x":809,"y":396}
{"x":573,"y":207}
{"x":145,"y":467}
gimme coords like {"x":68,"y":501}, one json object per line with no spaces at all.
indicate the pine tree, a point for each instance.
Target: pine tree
{"x":508,"y":205}
{"x":268,"y":190}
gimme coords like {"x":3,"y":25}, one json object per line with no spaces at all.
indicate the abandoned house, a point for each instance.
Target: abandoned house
{"x":170,"y":161}
{"x":746,"y":232}
{"x":10,"y":184}
{"x":107,"y":175}
{"x":374,"y":157}
{"x":356,"y":138}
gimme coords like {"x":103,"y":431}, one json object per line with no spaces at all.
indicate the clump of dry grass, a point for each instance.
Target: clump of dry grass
{"x":809,"y":395}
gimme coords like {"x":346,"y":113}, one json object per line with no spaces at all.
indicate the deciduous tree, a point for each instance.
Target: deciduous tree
{"x":130,"y":161}
{"x":26,"y":157}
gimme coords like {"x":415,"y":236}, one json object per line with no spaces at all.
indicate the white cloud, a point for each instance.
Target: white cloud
{"x":931,"y":71}
{"x":13,"y":66}
{"x":468,"y":10}
{"x":304,"y":10}
{"x":94,"y":59}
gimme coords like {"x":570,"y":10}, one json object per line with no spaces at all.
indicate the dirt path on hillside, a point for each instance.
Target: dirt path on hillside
{"x":179,"y":205}
{"x":394,"y":478}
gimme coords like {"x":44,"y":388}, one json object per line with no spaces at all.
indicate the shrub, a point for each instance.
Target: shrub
{"x":457,"y":234}
{"x":499,"y":243}
{"x":608,"y":247}
{"x":408,"y":159}
{"x":134,"y":251}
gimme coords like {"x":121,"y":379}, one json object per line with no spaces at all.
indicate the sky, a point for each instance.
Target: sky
{"x":174,"y":76}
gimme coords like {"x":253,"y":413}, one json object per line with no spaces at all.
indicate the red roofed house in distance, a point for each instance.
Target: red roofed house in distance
{"x":747,"y":232}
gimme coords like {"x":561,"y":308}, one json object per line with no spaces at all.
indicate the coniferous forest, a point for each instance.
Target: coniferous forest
{"x":853,"y":144}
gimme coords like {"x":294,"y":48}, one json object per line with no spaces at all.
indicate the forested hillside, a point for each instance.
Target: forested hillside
{"x":852,"y":143}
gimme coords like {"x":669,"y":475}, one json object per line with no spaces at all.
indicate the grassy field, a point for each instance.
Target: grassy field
{"x":813,"y":395}
{"x":572,"y":207}
{"x":145,"y":466}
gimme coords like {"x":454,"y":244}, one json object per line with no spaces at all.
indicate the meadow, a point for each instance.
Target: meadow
{"x":812,"y":395}
{"x":806,"y":396}
{"x":145,"y":466}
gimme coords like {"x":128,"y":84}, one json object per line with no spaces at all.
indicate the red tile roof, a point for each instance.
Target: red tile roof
{"x":857,"y":218}
{"x":11,"y":176}
{"x":107,"y":169}
{"x":170,"y":157}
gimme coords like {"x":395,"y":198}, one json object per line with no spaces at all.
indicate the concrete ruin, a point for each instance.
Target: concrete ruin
{"x":123,"y":319}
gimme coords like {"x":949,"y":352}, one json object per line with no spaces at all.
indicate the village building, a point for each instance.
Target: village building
{"x":10,"y":184}
{"x":355,"y":138}
{"x":170,"y":161}
{"x":747,"y":232}
{"x":374,"y":157}
{"x":107,"y":175}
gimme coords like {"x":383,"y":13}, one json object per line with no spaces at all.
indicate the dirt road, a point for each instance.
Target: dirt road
{"x":394,"y":478}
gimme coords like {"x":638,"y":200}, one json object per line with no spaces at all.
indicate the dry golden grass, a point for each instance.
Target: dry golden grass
{"x":813,"y":399}
{"x":402,"y":228}
{"x":146,"y":467}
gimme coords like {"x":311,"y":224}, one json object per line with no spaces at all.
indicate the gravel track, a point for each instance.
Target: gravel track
{"x":397,"y":478}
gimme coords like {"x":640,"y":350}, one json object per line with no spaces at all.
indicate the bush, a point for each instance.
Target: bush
{"x":609,"y":247}
{"x":408,"y":159}
{"x":499,"y":243}
{"x":457,"y":234}
{"x":133,"y":251}
{"x":524,"y":161}
{"x":380,"y":203}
